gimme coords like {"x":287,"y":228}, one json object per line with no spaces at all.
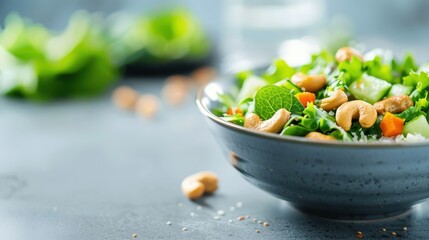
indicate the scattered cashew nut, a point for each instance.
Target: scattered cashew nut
{"x":319,"y":136}
{"x":203,"y":75}
{"x":337,"y":98}
{"x":195,"y":185}
{"x":273,"y":125}
{"x":394,"y":104}
{"x":176,"y":89}
{"x":356,"y":109}
{"x":147,"y":105}
{"x":311,"y":83}
{"x":125,"y":97}
{"x":346,"y":54}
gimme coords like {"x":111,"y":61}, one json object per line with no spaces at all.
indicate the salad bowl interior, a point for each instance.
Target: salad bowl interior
{"x":334,"y":179}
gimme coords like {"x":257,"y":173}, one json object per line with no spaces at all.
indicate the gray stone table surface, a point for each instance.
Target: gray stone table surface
{"x":86,"y":170}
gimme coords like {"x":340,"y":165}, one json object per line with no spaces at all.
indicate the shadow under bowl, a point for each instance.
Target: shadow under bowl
{"x":330,"y":179}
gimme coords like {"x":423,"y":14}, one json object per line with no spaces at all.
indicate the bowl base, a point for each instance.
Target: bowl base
{"x":353,"y":216}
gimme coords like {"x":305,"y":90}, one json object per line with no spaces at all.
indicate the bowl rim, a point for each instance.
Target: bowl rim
{"x":295,"y":139}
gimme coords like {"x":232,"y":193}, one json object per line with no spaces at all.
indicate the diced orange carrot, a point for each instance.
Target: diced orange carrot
{"x":306,"y":97}
{"x":234,"y":111}
{"x":391,"y":125}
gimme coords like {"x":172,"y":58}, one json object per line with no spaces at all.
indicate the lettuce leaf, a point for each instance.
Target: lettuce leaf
{"x":414,"y":78}
{"x":322,"y":62}
{"x":378,"y":69}
{"x":279,"y":70}
{"x":402,"y":69}
{"x":315,"y":119}
{"x":420,"y":94}
{"x":236,"y":119}
{"x":335,"y":81}
{"x":352,"y":69}
{"x":411,"y":113}
{"x":271,"y":98}
{"x":24,"y":39}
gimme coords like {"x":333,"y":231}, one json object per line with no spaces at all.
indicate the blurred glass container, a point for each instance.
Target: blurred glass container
{"x":255,"y":30}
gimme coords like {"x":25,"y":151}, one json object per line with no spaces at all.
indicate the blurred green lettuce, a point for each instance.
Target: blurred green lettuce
{"x":40,"y":65}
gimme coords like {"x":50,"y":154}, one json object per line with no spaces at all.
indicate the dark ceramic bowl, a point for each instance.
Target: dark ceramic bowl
{"x":331,"y":179}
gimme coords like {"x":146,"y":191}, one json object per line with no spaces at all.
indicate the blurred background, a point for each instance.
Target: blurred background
{"x":64,"y":161}
{"x":249,"y":32}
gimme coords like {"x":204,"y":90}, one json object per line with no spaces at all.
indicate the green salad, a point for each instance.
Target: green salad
{"x":345,"y":96}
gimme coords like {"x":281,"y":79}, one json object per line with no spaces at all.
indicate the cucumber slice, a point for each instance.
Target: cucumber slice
{"x":369,"y":89}
{"x":418,"y":125}
{"x":289,"y":86}
{"x":399,"y":90}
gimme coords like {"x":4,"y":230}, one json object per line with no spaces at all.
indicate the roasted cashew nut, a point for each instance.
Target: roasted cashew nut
{"x":192,"y":189}
{"x":310,"y":83}
{"x":337,"y":98}
{"x":356,"y":109}
{"x":319,"y":136}
{"x":273,"y":125}
{"x":394,"y":104}
{"x":194,"y":186}
{"x":346,"y":54}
